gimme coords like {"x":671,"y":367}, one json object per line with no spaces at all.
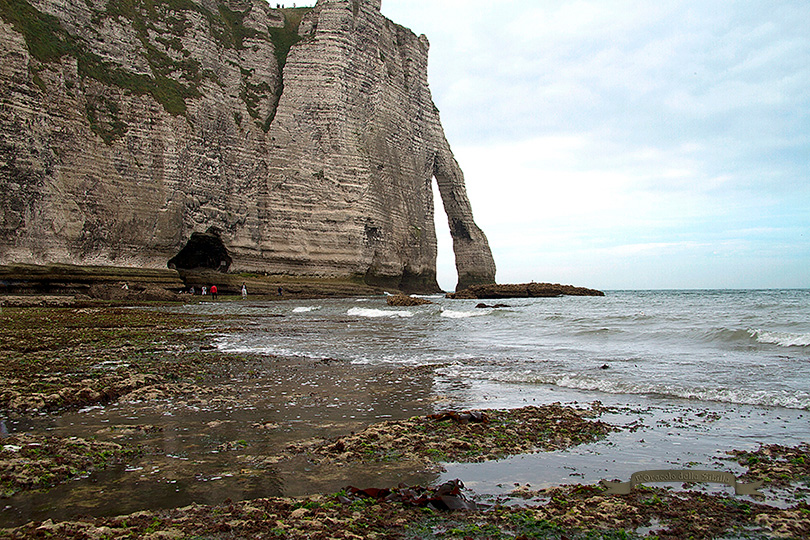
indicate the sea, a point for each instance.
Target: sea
{"x":686,"y":376}
{"x":739,"y":347}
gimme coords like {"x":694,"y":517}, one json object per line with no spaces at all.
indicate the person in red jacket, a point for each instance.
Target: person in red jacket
{"x":213,"y":292}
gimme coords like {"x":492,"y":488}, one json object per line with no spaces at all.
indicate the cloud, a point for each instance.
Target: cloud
{"x":600,"y":136}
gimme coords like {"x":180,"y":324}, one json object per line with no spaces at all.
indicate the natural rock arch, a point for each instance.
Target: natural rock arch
{"x":474,"y":262}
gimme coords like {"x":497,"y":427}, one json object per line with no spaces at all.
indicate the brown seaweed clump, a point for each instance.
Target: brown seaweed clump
{"x":776,"y":464}
{"x":648,"y":511}
{"x":404,"y":300}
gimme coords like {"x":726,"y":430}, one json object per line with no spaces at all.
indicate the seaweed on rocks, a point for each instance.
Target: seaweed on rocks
{"x":447,"y":496}
{"x":39,"y":462}
{"x":469,"y":436}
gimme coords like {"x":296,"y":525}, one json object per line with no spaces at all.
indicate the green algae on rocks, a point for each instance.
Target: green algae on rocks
{"x":777,"y":464}
{"x":434,"y":438}
{"x":38,"y":462}
{"x":54,"y":356}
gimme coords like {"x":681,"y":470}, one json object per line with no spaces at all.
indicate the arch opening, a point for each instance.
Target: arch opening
{"x":446,"y":273}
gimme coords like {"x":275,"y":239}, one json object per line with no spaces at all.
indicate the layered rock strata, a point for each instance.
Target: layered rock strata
{"x":306,"y":138}
{"x":59,"y":279}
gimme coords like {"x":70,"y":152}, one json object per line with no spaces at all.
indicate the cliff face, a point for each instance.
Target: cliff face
{"x":305,"y":140}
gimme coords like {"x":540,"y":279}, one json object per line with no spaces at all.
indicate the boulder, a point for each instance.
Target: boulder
{"x":402,"y":300}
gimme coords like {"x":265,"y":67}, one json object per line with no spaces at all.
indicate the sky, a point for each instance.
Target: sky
{"x":627,"y":144}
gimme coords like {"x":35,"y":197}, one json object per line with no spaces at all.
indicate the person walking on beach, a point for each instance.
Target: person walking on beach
{"x":214,"y":292}
{"x":204,"y":290}
{"x":280,"y":292}
{"x":244,"y":291}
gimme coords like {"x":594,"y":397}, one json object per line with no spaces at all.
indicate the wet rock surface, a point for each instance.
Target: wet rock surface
{"x":573,"y":512}
{"x":57,"y":358}
{"x":39,"y":462}
{"x":777,"y":464}
{"x":653,"y":512}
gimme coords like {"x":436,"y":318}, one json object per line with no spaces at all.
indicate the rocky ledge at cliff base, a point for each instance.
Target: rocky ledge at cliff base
{"x":523,"y":290}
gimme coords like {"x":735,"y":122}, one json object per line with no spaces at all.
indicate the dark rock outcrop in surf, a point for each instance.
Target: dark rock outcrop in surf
{"x":523,"y":290}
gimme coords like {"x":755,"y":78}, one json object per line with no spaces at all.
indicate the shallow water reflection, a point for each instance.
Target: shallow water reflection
{"x":225,"y":443}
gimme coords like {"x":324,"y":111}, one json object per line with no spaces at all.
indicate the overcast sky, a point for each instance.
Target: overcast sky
{"x":627,"y":144}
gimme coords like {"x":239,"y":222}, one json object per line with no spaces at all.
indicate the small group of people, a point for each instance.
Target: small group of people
{"x":204,"y":291}
{"x":213,"y":291}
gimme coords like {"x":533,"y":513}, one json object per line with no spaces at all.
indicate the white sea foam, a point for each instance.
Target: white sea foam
{"x":247,"y":349}
{"x":783,"y":339}
{"x":91,"y":408}
{"x":271,"y":350}
{"x":305,"y":309}
{"x":377,"y":313}
{"x":452,"y":314}
{"x":739,"y":396}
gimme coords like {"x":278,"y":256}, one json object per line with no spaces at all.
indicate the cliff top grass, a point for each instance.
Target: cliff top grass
{"x":172,"y":81}
{"x":285,"y":37}
{"x":48,"y":41}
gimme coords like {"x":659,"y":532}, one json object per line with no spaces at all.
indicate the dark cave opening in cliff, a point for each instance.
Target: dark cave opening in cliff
{"x":203,"y":251}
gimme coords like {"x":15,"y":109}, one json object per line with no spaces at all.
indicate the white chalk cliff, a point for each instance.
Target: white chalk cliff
{"x":304,"y":140}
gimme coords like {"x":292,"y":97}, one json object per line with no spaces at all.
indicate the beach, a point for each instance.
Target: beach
{"x":218,"y":405}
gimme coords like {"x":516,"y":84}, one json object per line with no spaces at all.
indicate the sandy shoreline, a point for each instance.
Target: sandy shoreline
{"x":210,"y":427}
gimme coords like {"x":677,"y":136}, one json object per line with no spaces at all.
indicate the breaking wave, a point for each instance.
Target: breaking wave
{"x":452,"y":314}
{"x":738,"y":396}
{"x":305,"y":309}
{"x":754,"y":336}
{"x":782,"y":339}
{"x":377,"y":313}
